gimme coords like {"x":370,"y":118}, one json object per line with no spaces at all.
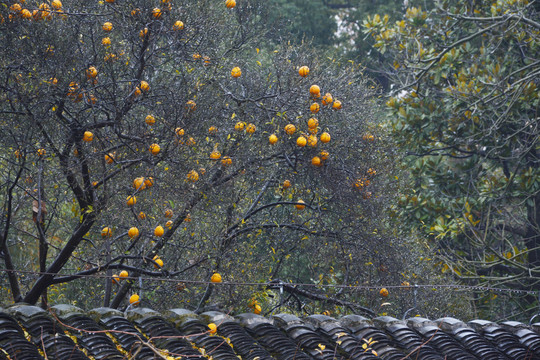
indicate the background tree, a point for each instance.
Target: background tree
{"x":302,"y":20}
{"x":336,"y":27}
{"x":465,"y":107}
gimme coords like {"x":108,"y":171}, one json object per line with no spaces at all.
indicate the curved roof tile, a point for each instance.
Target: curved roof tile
{"x":67,"y":332}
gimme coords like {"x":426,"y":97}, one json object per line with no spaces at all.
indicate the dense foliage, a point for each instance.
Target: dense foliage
{"x":465,"y":108}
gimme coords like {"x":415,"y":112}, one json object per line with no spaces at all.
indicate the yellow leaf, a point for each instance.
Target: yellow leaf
{"x":257,"y":50}
{"x":364,"y":346}
{"x":233,"y":115}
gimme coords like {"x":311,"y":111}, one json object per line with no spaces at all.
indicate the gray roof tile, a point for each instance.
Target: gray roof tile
{"x":67,"y":332}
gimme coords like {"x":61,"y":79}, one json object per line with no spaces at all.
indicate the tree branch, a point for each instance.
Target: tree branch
{"x":292,"y":289}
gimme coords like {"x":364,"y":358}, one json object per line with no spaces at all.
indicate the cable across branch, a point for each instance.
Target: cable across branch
{"x":293,"y":289}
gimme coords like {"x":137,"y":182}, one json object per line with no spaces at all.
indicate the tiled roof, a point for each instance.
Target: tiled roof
{"x":29,"y":332}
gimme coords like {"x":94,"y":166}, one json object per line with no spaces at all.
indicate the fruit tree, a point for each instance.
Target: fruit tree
{"x":160,"y":140}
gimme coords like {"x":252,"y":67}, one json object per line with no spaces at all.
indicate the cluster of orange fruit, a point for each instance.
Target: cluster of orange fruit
{"x":368,"y":137}
{"x":76,"y":93}
{"x":143,"y":87}
{"x":364,"y":181}
{"x":123,"y":275}
{"x":192,"y":176}
{"x":310,"y":138}
{"x":315,"y":92}
{"x":205,"y":59}
{"x":181,"y":140}
{"x":141,"y":183}
{"x":255,"y":306}
{"x":241,"y":126}
{"x":43,"y":11}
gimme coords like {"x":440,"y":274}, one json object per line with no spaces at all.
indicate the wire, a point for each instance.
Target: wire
{"x":265,"y":284}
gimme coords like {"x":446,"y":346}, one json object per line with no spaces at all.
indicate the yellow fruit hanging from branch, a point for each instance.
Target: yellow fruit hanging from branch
{"x":134,"y":299}
{"x":106,"y":232}
{"x":312,"y":140}
{"x":159,"y":231}
{"x":290,"y":129}
{"x":150,"y":120}
{"x":107,"y":26}
{"x":138,"y":183}
{"x":193,"y":176}
{"x":325,"y":137}
{"x":88,"y":136}
{"x":300,"y":204}
{"x":155,"y":149}
{"x":315,"y":91}
{"x":236,"y":72}
{"x":133,"y":232}
{"x":313,"y":123}
{"x":144,"y":86}
{"x":327,"y":99}
{"x":131,"y":200}
{"x":178,"y":25}
{"x":156,"y":13}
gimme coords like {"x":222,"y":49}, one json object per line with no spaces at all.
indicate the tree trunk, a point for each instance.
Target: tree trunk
{"x":46,"y":279}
